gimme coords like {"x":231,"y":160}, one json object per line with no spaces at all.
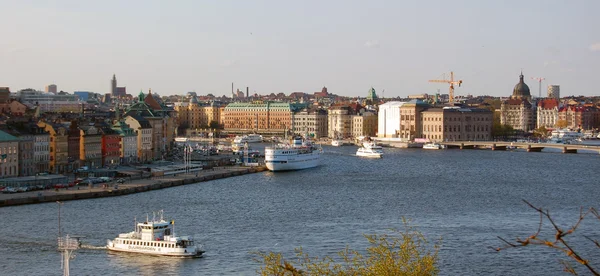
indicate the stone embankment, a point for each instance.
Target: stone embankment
{"x":129,"y":187}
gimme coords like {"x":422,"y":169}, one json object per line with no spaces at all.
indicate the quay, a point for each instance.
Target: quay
{"x":530,"y":147}
{"x":129,"y":187}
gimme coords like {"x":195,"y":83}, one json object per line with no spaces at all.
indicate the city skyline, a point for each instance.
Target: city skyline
{"x":272,"y":47}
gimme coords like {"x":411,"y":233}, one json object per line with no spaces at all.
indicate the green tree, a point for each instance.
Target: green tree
{"x":402,"y":253}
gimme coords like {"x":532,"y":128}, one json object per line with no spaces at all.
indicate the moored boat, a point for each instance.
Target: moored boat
{"x":250,"y":138}
{"x":156,"y":237}
{"x":370,"y":149}
{"x":435,"y":146}
{"x":300,"y":154}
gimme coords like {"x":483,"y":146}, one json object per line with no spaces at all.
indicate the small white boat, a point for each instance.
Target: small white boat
{"x":156,"y":237}
{"x":250,"y":138}
{"x":433,"y":146}
{"x":337,"y":143}
{"x":370,"y":150}
{"x":181,"y":139}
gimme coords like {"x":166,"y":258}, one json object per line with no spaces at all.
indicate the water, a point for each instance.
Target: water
{"x":466,"y":197}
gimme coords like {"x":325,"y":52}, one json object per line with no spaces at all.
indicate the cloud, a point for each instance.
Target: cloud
{"x":595,"y":47}
{"x":372,"y":44}
{"x":551,"y":62}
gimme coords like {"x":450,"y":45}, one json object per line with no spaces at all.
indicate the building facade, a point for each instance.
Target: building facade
{"x":59,"y":146}
{"x":193,"y":115}
{"x":554,"y":91}
{"x":264,"y":118}
{"x":111,"y":146}
{"x":311,"y":122}
{"x":9,"y":156}
{"x":143,"y":131}
{"x":547,"y":113}
{"x":339,"y":122}
{"x":41,"y":149}
{"x":364,"y":124}
{"x":90,"y":146}
{"x":410,"y":119}
{"x":74,"y":137}
{"x":128,"y":142}
{"x":518,"y":112}
{"x":456,"y":124}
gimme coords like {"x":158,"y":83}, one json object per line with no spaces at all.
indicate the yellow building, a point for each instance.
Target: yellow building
{"x":59,"y":146}
{"x":193,"y":116}
{"x":265,"y":118}
{"x":364,"y":125}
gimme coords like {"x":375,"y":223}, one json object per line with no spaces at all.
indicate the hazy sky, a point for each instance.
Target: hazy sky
{"x":286,"y":46}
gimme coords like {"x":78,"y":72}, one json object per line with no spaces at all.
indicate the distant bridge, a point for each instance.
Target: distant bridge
{"x":530,"y":147}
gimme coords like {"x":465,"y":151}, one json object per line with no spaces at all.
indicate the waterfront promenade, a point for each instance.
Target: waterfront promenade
{"x":567,"y":148}
{"x":129,"y":187}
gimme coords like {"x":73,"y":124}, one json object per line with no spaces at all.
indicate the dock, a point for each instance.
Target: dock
{"x":129,"y":187}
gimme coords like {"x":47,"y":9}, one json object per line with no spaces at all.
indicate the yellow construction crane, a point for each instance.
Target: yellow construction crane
{"x":452,"y":82}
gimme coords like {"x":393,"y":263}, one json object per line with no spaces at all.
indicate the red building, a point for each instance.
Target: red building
{"x":111,"y":146}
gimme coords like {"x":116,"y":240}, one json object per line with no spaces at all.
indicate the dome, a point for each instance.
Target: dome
{"x":194,"y":100}
{"x":521,"y":90}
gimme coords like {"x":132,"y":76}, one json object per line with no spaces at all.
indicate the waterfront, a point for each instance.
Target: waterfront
{"x":467,"y":197}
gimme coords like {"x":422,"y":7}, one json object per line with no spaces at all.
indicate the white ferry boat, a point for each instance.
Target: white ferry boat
{"x":156,"y":237}
{"x":370,"y":149}
{"x":301,"y":154}
{"x":181,"y":139}
{"x":434,"y":146}
{"x":250,"y":138}
{"x":337,"y":143}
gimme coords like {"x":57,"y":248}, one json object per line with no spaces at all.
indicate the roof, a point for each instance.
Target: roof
{"x":392,"y":104}
{"x":548,"y":103}
{"x":5,"y":137}
{"x":521,"y":89}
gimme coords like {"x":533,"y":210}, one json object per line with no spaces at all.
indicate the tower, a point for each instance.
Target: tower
{"x":554,"y":91}
{"x":113,"y":85}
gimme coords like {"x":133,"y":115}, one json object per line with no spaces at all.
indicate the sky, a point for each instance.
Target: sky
{"x":174,"y":47}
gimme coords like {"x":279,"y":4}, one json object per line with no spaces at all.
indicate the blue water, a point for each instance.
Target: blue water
{"x":465,"y":197}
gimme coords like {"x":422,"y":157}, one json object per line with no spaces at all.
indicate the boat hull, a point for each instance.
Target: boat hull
{"x":292,"y":163}
{"x":369,"y":155}
{"x":156,"y":251}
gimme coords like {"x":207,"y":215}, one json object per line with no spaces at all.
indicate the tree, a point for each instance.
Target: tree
{"x":558,"y":241}
{"x":561,"y":123}
{"x":214,"y":125}
{"x":540,"y":132}
{"x":403,"y":253}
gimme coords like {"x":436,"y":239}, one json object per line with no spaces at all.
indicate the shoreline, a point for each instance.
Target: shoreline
{"x":130,"y":187}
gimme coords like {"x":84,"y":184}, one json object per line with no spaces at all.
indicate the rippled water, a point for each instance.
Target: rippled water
{"x":465,"y":197}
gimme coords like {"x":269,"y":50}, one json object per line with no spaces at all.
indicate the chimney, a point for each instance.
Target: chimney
{"x":246,"y":91}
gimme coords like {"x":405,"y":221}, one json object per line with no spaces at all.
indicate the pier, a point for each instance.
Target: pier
{"x":129,"y":187}
{"x":529,"y":147}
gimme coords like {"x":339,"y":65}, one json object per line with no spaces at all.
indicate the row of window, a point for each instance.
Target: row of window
{"x":147,"y":243}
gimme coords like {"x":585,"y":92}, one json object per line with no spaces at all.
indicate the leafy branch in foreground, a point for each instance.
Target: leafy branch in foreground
{"x":558,"y":242}
{"x":400,"y":253}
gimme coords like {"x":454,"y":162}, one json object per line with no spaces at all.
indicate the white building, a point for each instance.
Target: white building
{"x":389,"y":119}
{"x":547,"y":113}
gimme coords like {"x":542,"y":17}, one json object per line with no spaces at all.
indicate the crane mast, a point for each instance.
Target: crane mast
{"x":452,"y":82}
